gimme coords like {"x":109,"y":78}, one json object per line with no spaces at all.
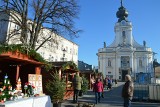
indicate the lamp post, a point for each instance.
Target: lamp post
{"x":154,"y":66}
{"x":64,"y":50}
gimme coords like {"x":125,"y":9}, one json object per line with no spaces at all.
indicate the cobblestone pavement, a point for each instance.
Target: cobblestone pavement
{"x":112,"y":98}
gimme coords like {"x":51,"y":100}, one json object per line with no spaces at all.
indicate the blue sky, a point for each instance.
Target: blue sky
{"x":98,"y":17}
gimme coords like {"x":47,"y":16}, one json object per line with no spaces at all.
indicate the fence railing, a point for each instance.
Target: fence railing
{"x":146,"y":92}
{"x":154,"y":92}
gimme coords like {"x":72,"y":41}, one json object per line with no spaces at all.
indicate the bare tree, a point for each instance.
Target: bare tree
{"x":32,"y":16}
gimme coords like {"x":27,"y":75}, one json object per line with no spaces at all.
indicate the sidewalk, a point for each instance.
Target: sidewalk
{"x":111,"y":98}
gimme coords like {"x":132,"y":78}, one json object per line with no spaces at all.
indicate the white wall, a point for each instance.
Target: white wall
{"x":51,"y":51}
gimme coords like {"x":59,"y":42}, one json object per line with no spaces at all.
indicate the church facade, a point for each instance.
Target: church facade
{"x":125,"y":55}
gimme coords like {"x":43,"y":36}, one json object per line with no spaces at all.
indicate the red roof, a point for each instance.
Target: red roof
{"x":17,"y":58}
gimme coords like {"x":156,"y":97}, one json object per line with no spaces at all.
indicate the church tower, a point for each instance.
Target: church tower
{"x":125,"y":55}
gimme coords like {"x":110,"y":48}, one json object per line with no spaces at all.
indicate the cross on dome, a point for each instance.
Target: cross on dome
{"x":122,"y":13}
{"x":121,"y":2}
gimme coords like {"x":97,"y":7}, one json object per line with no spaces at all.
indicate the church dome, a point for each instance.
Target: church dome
{"x":122,"y":14}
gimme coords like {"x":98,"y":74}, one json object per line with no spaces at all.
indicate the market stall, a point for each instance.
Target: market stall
{"x":89,"y":74}
{"x":69,"y":74}
{"x":18,"y":79}
{"x":16,"y":64}
{"x":66,"y":71}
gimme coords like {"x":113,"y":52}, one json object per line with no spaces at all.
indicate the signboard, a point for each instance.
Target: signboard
{"x":36,"y":81}
{"x":143,"y":78}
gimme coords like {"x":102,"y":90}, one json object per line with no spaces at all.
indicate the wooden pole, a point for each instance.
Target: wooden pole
{"x":17,"y":73}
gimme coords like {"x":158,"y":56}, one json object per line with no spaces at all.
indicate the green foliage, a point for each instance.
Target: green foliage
{"x":36,"y":56}
{"x":13,"y":48}
{"x":56,"y":87}
{"x":70,"y":65}
{"x":157,"y":76}
{"x":5,"y":92}
{"x":25,"y":50}
{"x":48,"y":66}
{"x":22,"y":49}
{"x":1,"y":97}
{"x":85,"y":84}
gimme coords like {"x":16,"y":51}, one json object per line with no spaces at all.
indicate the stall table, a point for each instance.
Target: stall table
{"x":41,"y":101}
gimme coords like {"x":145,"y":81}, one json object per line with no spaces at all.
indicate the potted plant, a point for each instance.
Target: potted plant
{"x":56,"y":88}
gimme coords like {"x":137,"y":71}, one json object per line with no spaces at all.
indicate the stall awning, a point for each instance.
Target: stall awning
{"x":10,"y":58}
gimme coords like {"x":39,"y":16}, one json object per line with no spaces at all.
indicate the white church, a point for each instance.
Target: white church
{"x":125,"y":55}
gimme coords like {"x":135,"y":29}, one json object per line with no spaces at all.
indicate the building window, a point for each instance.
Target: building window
{"x":109,"y":72}
{"x":52,"y":58}
{"x":99,"y":64}
{"x":73,"y":51}
{"x":49,"y":57}
{"x":66,"y":49}
{"x":109,"y":63}
{"x":56,"y":59}
{"x":62,"y":47}
{"x":140,"y":62}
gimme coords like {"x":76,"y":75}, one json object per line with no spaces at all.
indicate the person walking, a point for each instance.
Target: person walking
{"x":77,"y":83}
{"x":116,"y":82}
{"x":127,"y":91}
{"x":109,"y":84}
{"x":106,"y":83}
{"x":92,"y":81}
{"x":98,"y":89}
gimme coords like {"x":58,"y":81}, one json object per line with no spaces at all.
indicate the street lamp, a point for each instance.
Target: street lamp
{"x":154,"y":66}
{"x":64,"y":50}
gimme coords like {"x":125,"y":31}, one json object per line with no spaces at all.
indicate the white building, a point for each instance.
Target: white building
{"x":59,"y":49}
{"x":125,"y":55}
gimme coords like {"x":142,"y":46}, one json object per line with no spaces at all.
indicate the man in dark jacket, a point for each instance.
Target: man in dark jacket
{"x":77,"y":84}
{"x":127,"y":91}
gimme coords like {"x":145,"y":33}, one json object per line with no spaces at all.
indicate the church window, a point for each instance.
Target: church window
{"x":124,"y":36}
{"x":123,"y":33}
{"x":109,"y":72}
{"x":109,"y":63}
